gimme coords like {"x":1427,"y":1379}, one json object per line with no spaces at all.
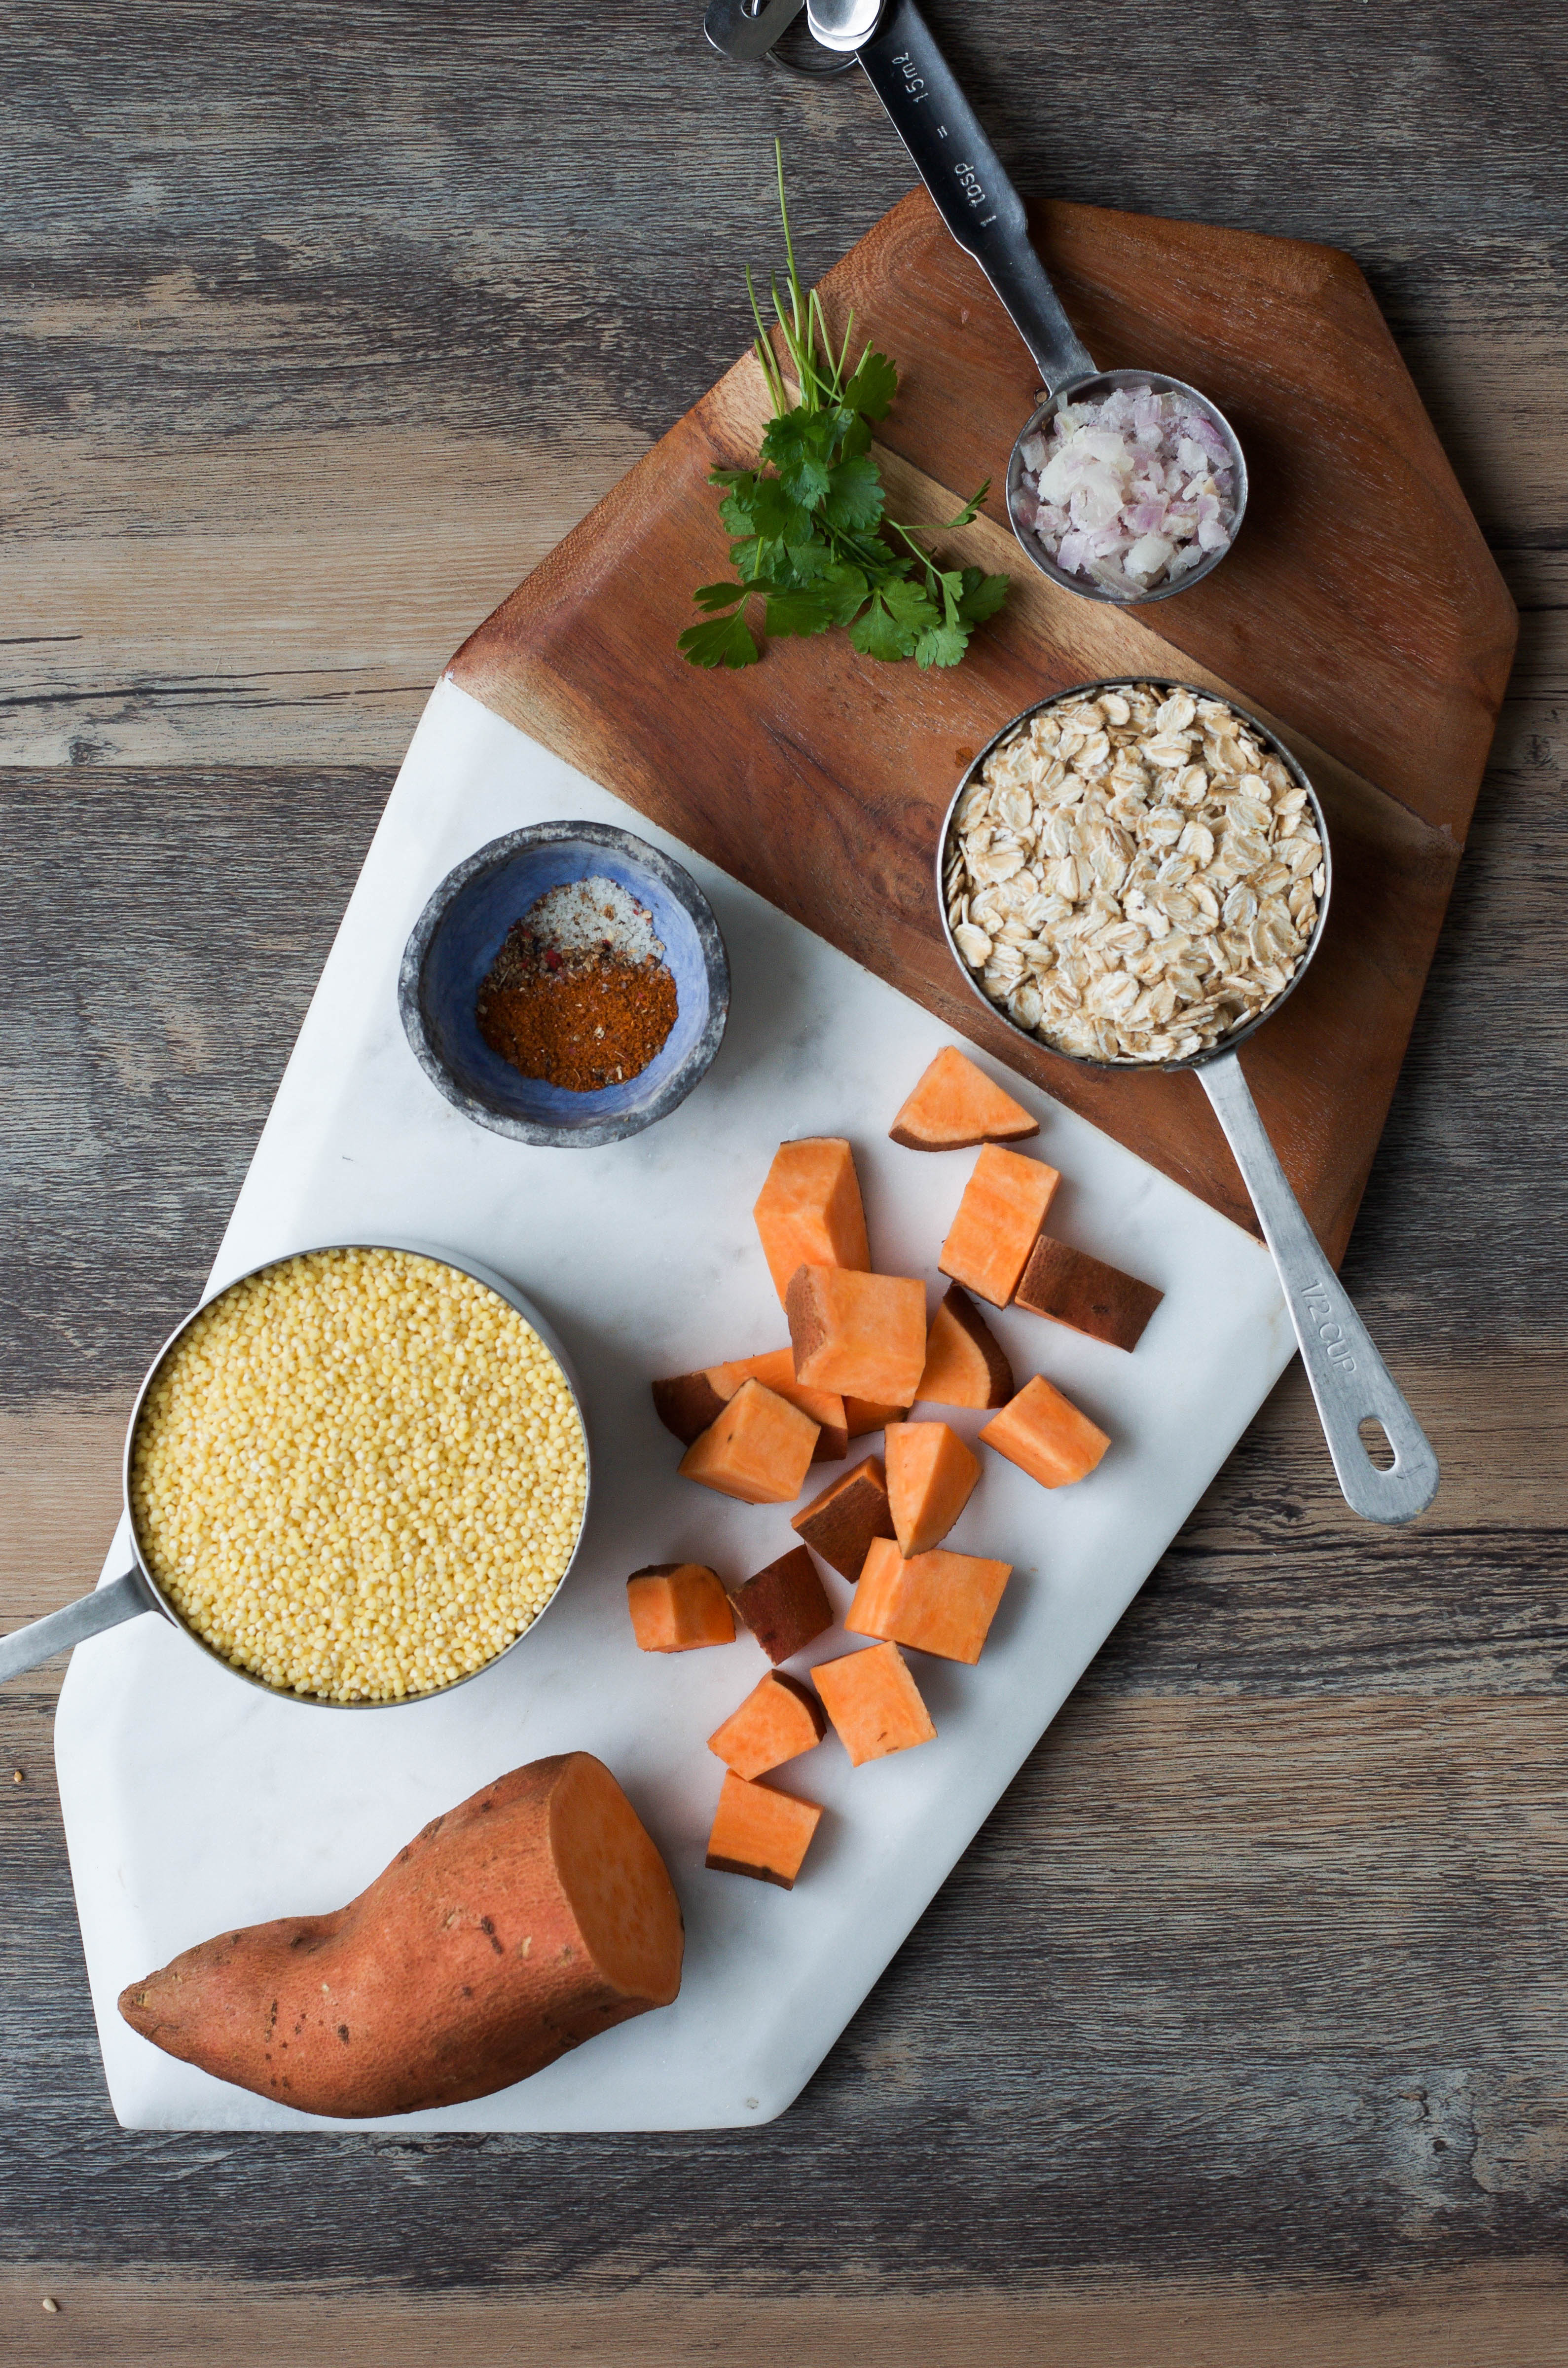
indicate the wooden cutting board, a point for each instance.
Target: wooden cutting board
{"x":1360,"y":613}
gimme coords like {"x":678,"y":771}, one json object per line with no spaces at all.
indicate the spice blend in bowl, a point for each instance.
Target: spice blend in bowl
{"x":580,"y":994}
{"x":358,"y":1475}
{"x":1133,"y":873}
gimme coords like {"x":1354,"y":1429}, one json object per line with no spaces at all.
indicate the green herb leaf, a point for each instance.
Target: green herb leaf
{"x":722,"y":641}
{"x":718,"y":595}
{"x":899,"y":613}
{"x":872,"y":389}
{"x":855,"y":499}
{"x":983,"y":595}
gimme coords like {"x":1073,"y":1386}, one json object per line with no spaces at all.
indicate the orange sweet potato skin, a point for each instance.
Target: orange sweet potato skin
{"x":461,"y":1969}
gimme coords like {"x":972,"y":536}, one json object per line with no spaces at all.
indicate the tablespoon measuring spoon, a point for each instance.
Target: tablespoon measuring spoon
{"x":986,"y":215}
{"x":1349,"y":1378}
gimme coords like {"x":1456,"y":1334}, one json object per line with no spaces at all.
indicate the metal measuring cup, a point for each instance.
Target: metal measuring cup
{"x":136,"y":1590}
{"x":1349,"y":1378}
{"x":986,"y":215}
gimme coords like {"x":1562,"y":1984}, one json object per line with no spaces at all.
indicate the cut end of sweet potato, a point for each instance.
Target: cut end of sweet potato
{"x":1085,"y":1294}
{"x":997,"y":1224}
{"x":874,"y":1703}
{"x":965,"y":1363}
{"x":863,"y":1335}
{"x":809,"y":1211}
{"x":779,"y":1719}
{"x":785,"y":1606}
{"x":758,"y":1449}
{"x":840,"y":1523}
{"x":677,"y":1607}
{"x":616,"y":1884}
{"x":931,"y":1478}
{"x":955,"y":1106}
{"x":939,"y":1602}
{"x":762,"y":1833}
{"x":1045,"y":1435}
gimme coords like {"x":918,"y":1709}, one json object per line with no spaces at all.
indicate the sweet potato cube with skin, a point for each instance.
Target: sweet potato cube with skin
{"x":785,"y":1606}
{"x":863,"y":1415}
{"x":779,"y":1719}
{"x":931,"y":1478}
{"x":677,"y":1606}
{"x":859,"y":1334}
{"x":761,"y":1833}
{"x":687,"y":1402}
{"x":997,"y":1224}
{"x":956,"y":1106}
{"x":840,"y":1523}
{"x":758,"y":1449}
{"x":874,"y":1703}
{"x":809,"y":1211}
{"x":941,"y":1604}
{"x":1044,"y":1434}
{"x":1085,"y":1294}
{"x":965,"y":1363}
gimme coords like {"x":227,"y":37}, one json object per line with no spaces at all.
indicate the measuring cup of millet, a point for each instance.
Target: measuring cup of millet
{"x":1136,"y":874}
{"x":1123,"y":484}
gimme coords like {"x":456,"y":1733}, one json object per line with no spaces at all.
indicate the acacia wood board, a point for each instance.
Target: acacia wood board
{"x":1360,"y":613}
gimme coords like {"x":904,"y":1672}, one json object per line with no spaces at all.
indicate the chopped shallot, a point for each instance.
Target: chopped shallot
{"x":1131,"y":491}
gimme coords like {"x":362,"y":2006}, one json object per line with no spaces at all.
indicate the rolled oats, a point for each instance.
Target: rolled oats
{"x":1134,"y":875}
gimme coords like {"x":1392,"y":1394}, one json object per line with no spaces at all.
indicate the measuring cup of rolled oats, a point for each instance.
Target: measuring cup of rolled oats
{"x":355,"y":1476}
{"x":1136,"y":874}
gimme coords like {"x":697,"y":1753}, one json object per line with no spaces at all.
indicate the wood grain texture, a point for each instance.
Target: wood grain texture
{"x":820,"y":777}
{"x":425,"y":280}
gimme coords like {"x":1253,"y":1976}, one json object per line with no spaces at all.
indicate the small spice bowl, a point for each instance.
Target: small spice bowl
{"x":460,"y":933}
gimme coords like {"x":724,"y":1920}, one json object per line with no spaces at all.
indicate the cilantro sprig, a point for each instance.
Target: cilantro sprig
{"x":811,"y":537}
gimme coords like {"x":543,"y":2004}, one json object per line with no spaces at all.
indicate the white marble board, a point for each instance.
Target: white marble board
{"x":192,"y":1801}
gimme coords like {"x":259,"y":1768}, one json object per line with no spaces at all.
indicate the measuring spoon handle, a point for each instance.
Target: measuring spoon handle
{"x":974,"y":195}
{"x":30,"y":1647}
{"x":1349,"y":1378}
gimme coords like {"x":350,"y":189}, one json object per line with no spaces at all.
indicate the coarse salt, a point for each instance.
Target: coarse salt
{"x":1131,"y":492}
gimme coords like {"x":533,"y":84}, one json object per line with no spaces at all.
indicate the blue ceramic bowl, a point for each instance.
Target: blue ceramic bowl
{"x":458,"y":935}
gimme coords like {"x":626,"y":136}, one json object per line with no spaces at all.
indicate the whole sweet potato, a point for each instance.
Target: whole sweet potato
{"x":520,"y":1924}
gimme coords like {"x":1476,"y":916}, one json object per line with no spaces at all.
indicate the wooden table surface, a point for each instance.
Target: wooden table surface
{"x":1241,"y":2035}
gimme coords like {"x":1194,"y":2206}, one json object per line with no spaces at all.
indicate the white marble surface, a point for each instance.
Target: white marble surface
{"x":191,"y":1801}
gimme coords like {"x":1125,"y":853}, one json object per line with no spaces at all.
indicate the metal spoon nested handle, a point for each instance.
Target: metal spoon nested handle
{"x":1349,"y":1379}
{"x":986,"y":215}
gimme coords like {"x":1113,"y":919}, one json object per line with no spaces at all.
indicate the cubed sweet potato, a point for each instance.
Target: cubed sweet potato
{"x":955,"y":1106}
{"x":678,"y":1606}
{"x":1045,"y":1435}
{"x":1082,"y":1293}
{"x":759,"y":1448}
{"x":762,"y":1833}
{"x":939,"y":1602}
{"x":786,"y":1605}
{"x":840,"y":1523}
{"x":687,"y":1402}
{"x":874,"y":1703}
{"x":860,"y":1334}
{"x":863,"y":1415}
{"x":965,"y":1363}
{"x":527,"y":1919}
{"x":998,"y":1220}
{"x":779,"y":1719}
{"x":809,"y":1211}
{"x":931,"y":1478}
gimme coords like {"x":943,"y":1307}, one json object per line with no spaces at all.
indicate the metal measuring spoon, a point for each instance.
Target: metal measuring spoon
{"x":1349,"y":1379}
{"x":985,"y":214}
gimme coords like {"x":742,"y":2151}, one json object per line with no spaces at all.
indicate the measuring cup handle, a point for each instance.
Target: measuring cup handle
{"x":30,"y":1647}
{"x":974,"y":195}
{"x":1349,"y":1378}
